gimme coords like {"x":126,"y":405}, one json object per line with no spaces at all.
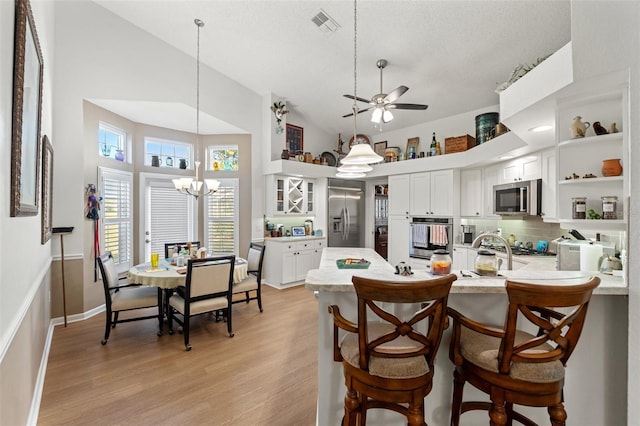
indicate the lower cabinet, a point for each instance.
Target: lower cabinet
{"x":287,"y":262}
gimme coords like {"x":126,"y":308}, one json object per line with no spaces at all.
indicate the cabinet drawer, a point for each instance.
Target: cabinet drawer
{"x":305,"y":245}
{"x":288,"y":247}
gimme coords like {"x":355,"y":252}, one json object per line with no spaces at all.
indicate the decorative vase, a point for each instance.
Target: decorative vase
{"x":611,"y":167}
{"x":183,"y":163}
{"x":579,"y":128}
{"x":119,"y":155}
{"x":285,"y":154}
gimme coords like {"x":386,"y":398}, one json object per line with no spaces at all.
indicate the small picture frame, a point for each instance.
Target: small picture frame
{"x":413,"y":143}
{"x":295,"y":139}
{"x":298,"y":231}
{"x":380,"y":147}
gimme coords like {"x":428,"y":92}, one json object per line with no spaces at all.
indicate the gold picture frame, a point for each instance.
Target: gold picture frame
{"x":27,"y":111}
{"x":413,"y":142}
{"x":47,"y":189}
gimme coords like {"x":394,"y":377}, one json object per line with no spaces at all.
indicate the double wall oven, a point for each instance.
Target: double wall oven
{"x":429,"y":234}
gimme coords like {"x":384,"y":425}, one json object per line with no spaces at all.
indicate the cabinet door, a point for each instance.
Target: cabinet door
{"x":549,"y":185}
{"x":304,"y":263}
{"x":441,"y":195}
{"x":288,"y":267}
{"x":279,"y":195}
{"x":471,"y":193}
{"x":459,"y":259}
{"x":530,"y":166}
{"x":317,"y":245}
{"x":310,"y":205}
{"x":399,"y":194}
{"x":420,"y":198}
{"x":398,"y":243}
{"x":490,"y":177}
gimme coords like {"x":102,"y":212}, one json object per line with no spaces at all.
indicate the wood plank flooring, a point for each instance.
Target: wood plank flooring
{"x":265,"y":375}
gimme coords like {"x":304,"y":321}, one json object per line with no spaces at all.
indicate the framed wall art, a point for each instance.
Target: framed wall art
{"x":27,"y":110}
{"x":413,"y":143}
{"x":295,"y":139}
{"x":380,"y":147}
{"x":47,"y":189}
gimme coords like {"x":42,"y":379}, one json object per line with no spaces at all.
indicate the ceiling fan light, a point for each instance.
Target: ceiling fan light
{"x":361,"y":154}
{"x":376,"y":116}
{"x":355,"y":168}
{"x":387,"y":116}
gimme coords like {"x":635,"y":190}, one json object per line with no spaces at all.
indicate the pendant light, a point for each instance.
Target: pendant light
{"x":188,"y":185}
{"x":360,"y":153}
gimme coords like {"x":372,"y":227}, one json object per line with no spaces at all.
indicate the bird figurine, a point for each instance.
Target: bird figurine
{"x":613,"y":128}
{"x":599,"y":129}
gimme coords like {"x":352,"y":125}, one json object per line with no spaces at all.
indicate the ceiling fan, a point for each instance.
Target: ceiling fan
{"x":382,"y":103}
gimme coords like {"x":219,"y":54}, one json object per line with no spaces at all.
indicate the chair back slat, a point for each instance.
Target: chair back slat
{"x":405,"y":340}
{"x":210,"y":276}
{"x":558,"y":330}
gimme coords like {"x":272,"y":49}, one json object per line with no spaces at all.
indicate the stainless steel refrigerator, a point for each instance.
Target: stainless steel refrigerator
{"x":346,"y":213}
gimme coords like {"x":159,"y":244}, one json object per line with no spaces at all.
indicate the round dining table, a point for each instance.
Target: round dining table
{"x":168,"y":276}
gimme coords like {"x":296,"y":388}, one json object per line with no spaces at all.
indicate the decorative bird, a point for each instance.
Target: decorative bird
{"x":599,"y":129}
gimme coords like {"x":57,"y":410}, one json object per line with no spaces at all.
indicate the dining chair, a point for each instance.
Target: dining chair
{"x":513,"y":366}
{"x":388,"y":362}
{"x":125,"y":297}
{"x":253,"y":281}
{"x":208,"y":288}
{"x":169,"y":246}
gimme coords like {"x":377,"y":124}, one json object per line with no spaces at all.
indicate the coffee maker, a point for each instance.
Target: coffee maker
{"x":468,"y":233}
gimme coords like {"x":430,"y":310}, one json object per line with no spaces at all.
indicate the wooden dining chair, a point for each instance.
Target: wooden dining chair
{"x":253,"y":281}
{"x":125,"y":297}
{"x":208,"y":288}
{"x":169,"y":246}
{"x":515,"y":367}
{"x":388,"y":362}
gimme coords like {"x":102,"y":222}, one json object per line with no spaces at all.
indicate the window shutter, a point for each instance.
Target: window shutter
{"x":169,"y":212}
{"x":116,"y":215}
{"x":222,"y":218}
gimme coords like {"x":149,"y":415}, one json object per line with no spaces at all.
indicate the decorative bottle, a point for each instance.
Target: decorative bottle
{"x":434,"y":146}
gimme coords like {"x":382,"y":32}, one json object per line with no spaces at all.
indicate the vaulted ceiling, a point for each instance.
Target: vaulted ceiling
{"x":451,"y":54}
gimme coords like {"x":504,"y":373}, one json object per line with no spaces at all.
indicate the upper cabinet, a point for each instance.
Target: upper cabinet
{"x":290,"y":196}
{"x":580,"y":160}
{"x":422,"y":194}
{"x":524,"y":168}
{"x":471,"y":203}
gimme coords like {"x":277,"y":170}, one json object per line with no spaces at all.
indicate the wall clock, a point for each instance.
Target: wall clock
{"x":360,"y":139}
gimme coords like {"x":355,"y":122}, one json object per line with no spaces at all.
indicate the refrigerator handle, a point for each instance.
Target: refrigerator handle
{"x":348,"y":224}
{"x":342,"y":222}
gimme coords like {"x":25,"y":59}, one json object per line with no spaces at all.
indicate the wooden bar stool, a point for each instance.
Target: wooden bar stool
{"x":516,"y":367}
{"x":388,"y":362}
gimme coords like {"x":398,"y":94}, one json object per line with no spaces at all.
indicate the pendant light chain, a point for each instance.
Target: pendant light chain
{"x":200,"y":24}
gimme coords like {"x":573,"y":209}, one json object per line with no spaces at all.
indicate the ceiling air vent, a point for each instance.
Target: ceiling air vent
{"x":325,"y":22}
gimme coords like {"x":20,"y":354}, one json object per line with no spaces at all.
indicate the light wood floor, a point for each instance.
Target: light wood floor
{"x":265,"y":375}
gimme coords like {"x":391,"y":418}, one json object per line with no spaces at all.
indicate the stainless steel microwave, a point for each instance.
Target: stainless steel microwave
{"x":518,"y":198}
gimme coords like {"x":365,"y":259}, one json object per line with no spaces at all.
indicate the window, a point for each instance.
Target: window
{"x":111,"y":142}
{"x":115,"y":187}
{"x":221,"y":218}
{"x":170,"y":154}
{"x":223,"y":158}
{"x":170,"y":216}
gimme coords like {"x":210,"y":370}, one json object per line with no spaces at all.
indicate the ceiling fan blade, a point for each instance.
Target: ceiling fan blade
{"x":360,"y":111}
{"x":396,"y":93}
{"x":408,"y":106}
{"x":357,"y":98}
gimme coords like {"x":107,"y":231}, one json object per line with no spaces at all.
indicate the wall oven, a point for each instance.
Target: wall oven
{"x":429,"y":234}
{"x":518,"y":198}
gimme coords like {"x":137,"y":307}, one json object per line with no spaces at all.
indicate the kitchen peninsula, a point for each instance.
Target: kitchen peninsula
{"x":591,"y":399}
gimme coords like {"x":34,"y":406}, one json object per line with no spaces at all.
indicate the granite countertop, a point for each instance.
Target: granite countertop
{"x":538,"y":269}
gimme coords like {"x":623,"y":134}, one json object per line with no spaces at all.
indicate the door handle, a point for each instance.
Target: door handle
{"x":147,"y":241}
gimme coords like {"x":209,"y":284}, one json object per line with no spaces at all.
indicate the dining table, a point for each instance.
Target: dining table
{"x":168,"y":276}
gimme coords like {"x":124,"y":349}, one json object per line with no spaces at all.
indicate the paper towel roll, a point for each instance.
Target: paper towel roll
{"x":589,"y":256}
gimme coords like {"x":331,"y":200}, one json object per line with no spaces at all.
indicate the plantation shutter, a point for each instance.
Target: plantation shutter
{"x":170,"y":216}
{"x":222,"y":218}
{"x":116,"y":216}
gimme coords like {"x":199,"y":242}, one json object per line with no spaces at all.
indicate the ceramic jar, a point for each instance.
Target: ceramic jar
{"x":611,"y":167}
{"x":183,"y":163}
{"x":579,"y":128}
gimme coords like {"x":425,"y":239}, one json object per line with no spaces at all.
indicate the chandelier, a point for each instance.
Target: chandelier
{"x":189,"y":185}
{"x":356,"y":163}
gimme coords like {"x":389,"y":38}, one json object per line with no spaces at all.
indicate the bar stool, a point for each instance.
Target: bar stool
{"x":388,"y":362}
{"x":516,"y":367}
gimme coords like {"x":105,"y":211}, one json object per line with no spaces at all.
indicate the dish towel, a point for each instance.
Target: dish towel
{"x":438,"y":235}
{"x":420,"y":235}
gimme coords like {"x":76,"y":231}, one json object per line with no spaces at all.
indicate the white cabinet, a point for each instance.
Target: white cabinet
{"x":549,"y":185}
{"x":399,"y":194}
{"x":582,"y":157}
{"x":288,"y":262}
{"x":290,"y":196}
{"x":490,"y":177}
{"x":471,"y":202}
{"x":420,"y":200}
{"x":399,"y":239}
{"x":442,"y":193}
{"x":523,"y":168}
{"x":459,"y":259}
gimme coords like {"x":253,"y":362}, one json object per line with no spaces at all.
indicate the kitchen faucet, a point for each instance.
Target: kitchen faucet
{"x":476,"y":243}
